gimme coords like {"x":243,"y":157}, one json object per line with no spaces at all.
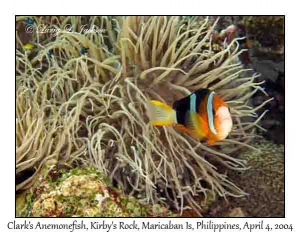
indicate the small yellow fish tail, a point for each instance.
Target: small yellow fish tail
{"x":28,"y":46}
{"x":161,"y":113}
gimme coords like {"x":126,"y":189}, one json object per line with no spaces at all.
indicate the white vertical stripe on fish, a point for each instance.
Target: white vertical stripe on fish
{"x":210,"y":114}
{"x":193,"y":102}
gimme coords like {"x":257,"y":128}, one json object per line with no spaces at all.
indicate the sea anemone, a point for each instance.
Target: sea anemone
{"x":90,"y":108}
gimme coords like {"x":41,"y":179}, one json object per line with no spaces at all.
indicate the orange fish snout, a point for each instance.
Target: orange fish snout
{"x":223,"y":122}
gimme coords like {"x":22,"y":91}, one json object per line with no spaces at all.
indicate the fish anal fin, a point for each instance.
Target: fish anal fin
{"x":211,"y":142}
{"x":182,"y":128}
{"x":191,"y":132}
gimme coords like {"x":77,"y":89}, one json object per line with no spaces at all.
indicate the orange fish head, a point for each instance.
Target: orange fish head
{"x":223,"y":122}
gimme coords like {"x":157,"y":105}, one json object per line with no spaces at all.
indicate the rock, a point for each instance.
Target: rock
{"x":268,"y":69}
{"x":274,"y":120}
{"x":266,"y":34}
{"x":235,"y":212}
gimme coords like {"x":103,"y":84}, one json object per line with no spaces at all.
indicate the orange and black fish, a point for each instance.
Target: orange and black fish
{"x":203,"y":115}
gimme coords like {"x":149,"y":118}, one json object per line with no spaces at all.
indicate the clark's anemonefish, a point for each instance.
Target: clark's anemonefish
{"x":203,"y":115}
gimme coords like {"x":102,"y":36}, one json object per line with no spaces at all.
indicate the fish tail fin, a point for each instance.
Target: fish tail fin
{"x":161,"y":113}
{"x":28,"y":46}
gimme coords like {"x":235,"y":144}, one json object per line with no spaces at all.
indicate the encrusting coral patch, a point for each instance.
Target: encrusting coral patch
{"x":82,"y":193}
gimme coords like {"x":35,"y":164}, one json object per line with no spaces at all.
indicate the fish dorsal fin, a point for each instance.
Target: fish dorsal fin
{"x":184,"y":104}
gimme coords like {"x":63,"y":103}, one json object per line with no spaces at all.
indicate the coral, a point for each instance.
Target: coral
{"x":81,"y":193}
{"x":90,"y":109}
{"x":264,"y":181}
{"x":266,"y":33}
{"x":236,"y":212}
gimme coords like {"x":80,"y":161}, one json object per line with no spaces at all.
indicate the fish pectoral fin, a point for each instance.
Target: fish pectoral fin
{"x":195,"y":124}
{"x":191,"y":121}
{"x":203,"y":129}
